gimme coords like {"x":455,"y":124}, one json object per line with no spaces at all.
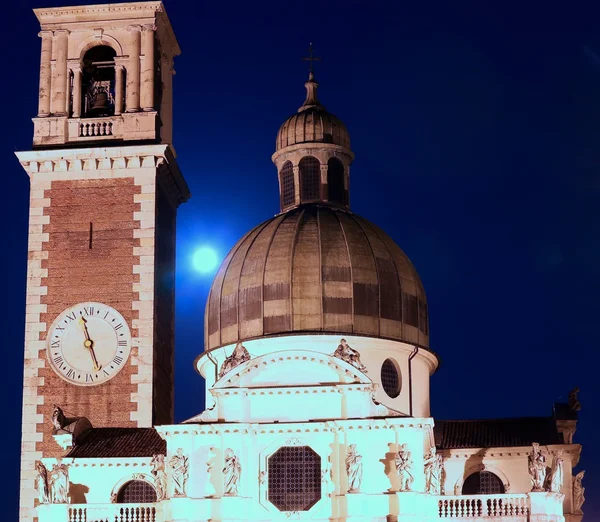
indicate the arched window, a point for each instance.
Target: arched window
{"x":288,"y":188}
{"x":335,"y":181}
{"x":98,"y":82}
{"x":294,"y":478}
{"x":136,"y":492}
{"x":310,"y":178}
{"x":483,"y":483}
{"x":390,"y":378}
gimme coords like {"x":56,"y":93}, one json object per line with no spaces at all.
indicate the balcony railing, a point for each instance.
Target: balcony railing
{"x":100,"y":513}
{"x":483,"y":506}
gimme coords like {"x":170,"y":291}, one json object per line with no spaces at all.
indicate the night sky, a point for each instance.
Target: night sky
{"x":477,"y":142}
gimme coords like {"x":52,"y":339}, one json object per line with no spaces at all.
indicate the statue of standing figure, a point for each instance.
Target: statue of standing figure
{"x":42,"y":482}
{"x":180,"y":473}
{"x":160,"y":476}
{"x":574,"y":403}
{"x":354,"y":469}
{"x":578,"y":491}
{"x":537,"y":468}
{"x":403,"y":461}
{"x":557,"y":475}
{"x":59,"y":483}
{"x":231,"y":472}
{"x":433,"y":472}
{"x":349,"y":355}
{"x":238,"y":356}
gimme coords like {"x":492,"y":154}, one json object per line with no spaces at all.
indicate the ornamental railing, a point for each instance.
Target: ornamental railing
{"x":114,"y":513}
{"x":474,"y":506}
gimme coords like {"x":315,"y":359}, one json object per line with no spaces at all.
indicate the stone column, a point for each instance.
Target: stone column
{"x":76,"y":91}
{"x":324,"y":185}
{"x":296,"y":169}
{"x":59,"y":77}
{"x":45,"y":74}
{"x":147,"y":87}
{"x":118,"y":89}
{"x":133,"y":70}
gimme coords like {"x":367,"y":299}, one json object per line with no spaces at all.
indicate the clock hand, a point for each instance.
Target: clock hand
{"x":89,"y":344}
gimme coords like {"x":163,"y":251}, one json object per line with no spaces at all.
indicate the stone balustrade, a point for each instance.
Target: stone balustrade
{"x":527,"y":507}
{"x":100,"y":513}
{"x":459,"y":507}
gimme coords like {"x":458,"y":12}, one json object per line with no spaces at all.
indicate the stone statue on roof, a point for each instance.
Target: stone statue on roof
{"x":348,"y":354}
{"x":238,"y":356}
{"x":578,"y":491}
{"x":574,"y":403}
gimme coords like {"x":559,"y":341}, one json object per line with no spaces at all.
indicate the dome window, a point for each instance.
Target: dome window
{"x":294,"y":478}
{"x":288,"y":188}
{"x":136,"y":492}
{"x":310,"y":178}
{"x":335,"y":181}
{"x":483,"y":483}
{"x":390,"y":378}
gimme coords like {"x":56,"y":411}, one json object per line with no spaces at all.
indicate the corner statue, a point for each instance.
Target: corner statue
{"x":349,"y":355}
{"x":179,"y":474}
{"x":537,"y":468}
{"x":231,"y":473}
{"x":354,"y":469}
{"x":238,"y":356}
{"x":403,"y":461}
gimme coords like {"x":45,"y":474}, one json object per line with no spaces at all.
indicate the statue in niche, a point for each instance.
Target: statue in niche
{"x":574,"y":403}
{"x":209,"y":489}
{"x":238,"y":356}
{"x":354,"y":469}
{"x":42,"y":482}
{"x":231,"y":472}
{"x":537,"y":468}
{"x":59,"y":483}
{"x":59,"y":421}
{"x":403,"y":461}
{"x":348,"y":354}
{"x":578,"y":491}
{"x":179,"y":473}
{"x":433,"y":472}
{"x":160,"y":476}
{"x":557,"y":474}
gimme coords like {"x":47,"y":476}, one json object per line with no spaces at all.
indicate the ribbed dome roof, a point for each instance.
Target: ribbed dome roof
{"x":316,"y":269}
{"x":312,"y":125}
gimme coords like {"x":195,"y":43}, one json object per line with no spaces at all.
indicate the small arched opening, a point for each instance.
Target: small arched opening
{"x":98,"y":82}
{"x":310,"y":179}
{"x":136,"y":492}
{"x":483,"y":483}
{"x":335,"y":182}
{"x":288,"y":187}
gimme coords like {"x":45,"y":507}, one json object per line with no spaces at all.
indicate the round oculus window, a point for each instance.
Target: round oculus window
{"x":390,"y":378}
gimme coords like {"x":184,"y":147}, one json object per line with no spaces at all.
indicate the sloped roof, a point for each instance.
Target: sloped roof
{"x":496,"y":433}
{"x":119,"y":442}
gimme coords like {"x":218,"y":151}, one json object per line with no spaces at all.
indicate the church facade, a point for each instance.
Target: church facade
{"x":316,"y":355}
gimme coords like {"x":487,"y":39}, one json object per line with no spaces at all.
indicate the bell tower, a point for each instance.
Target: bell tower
{"x":105,"y":188}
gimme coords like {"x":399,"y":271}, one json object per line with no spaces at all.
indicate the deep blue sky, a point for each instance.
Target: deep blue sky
{"x":477,"y":141}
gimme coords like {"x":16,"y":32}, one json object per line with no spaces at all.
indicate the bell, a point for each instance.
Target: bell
{"x":100,"y":104}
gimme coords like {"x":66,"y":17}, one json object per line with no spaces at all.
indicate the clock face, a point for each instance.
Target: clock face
{"x":88,"y":344}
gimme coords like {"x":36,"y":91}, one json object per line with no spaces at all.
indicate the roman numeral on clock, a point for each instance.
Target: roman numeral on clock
{"x":88,"y":310}
{"x":120,"y":325}
{"x":71,"y":373}
{"x":117,"y":359}
{"x":122,"y":343}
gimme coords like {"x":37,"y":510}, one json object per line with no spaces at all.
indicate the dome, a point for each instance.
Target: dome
{"x":316,"y":269}
{"x":312,"y":125}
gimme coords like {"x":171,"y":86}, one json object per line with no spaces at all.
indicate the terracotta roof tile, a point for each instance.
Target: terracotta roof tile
{"x":496,"y":433}
{"x":119,"y":442}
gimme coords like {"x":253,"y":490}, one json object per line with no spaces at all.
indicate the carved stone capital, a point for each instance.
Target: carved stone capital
{"x":134,"y":28}
{"x":148,"y":27}
{"x":62,"y":32}
{"x":45,"y":34}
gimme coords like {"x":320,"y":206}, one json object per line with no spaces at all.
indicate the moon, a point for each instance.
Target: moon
{"x":205,"y":259}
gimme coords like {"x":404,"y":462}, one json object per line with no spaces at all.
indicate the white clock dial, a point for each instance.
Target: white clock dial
{"x":88,"y":344}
